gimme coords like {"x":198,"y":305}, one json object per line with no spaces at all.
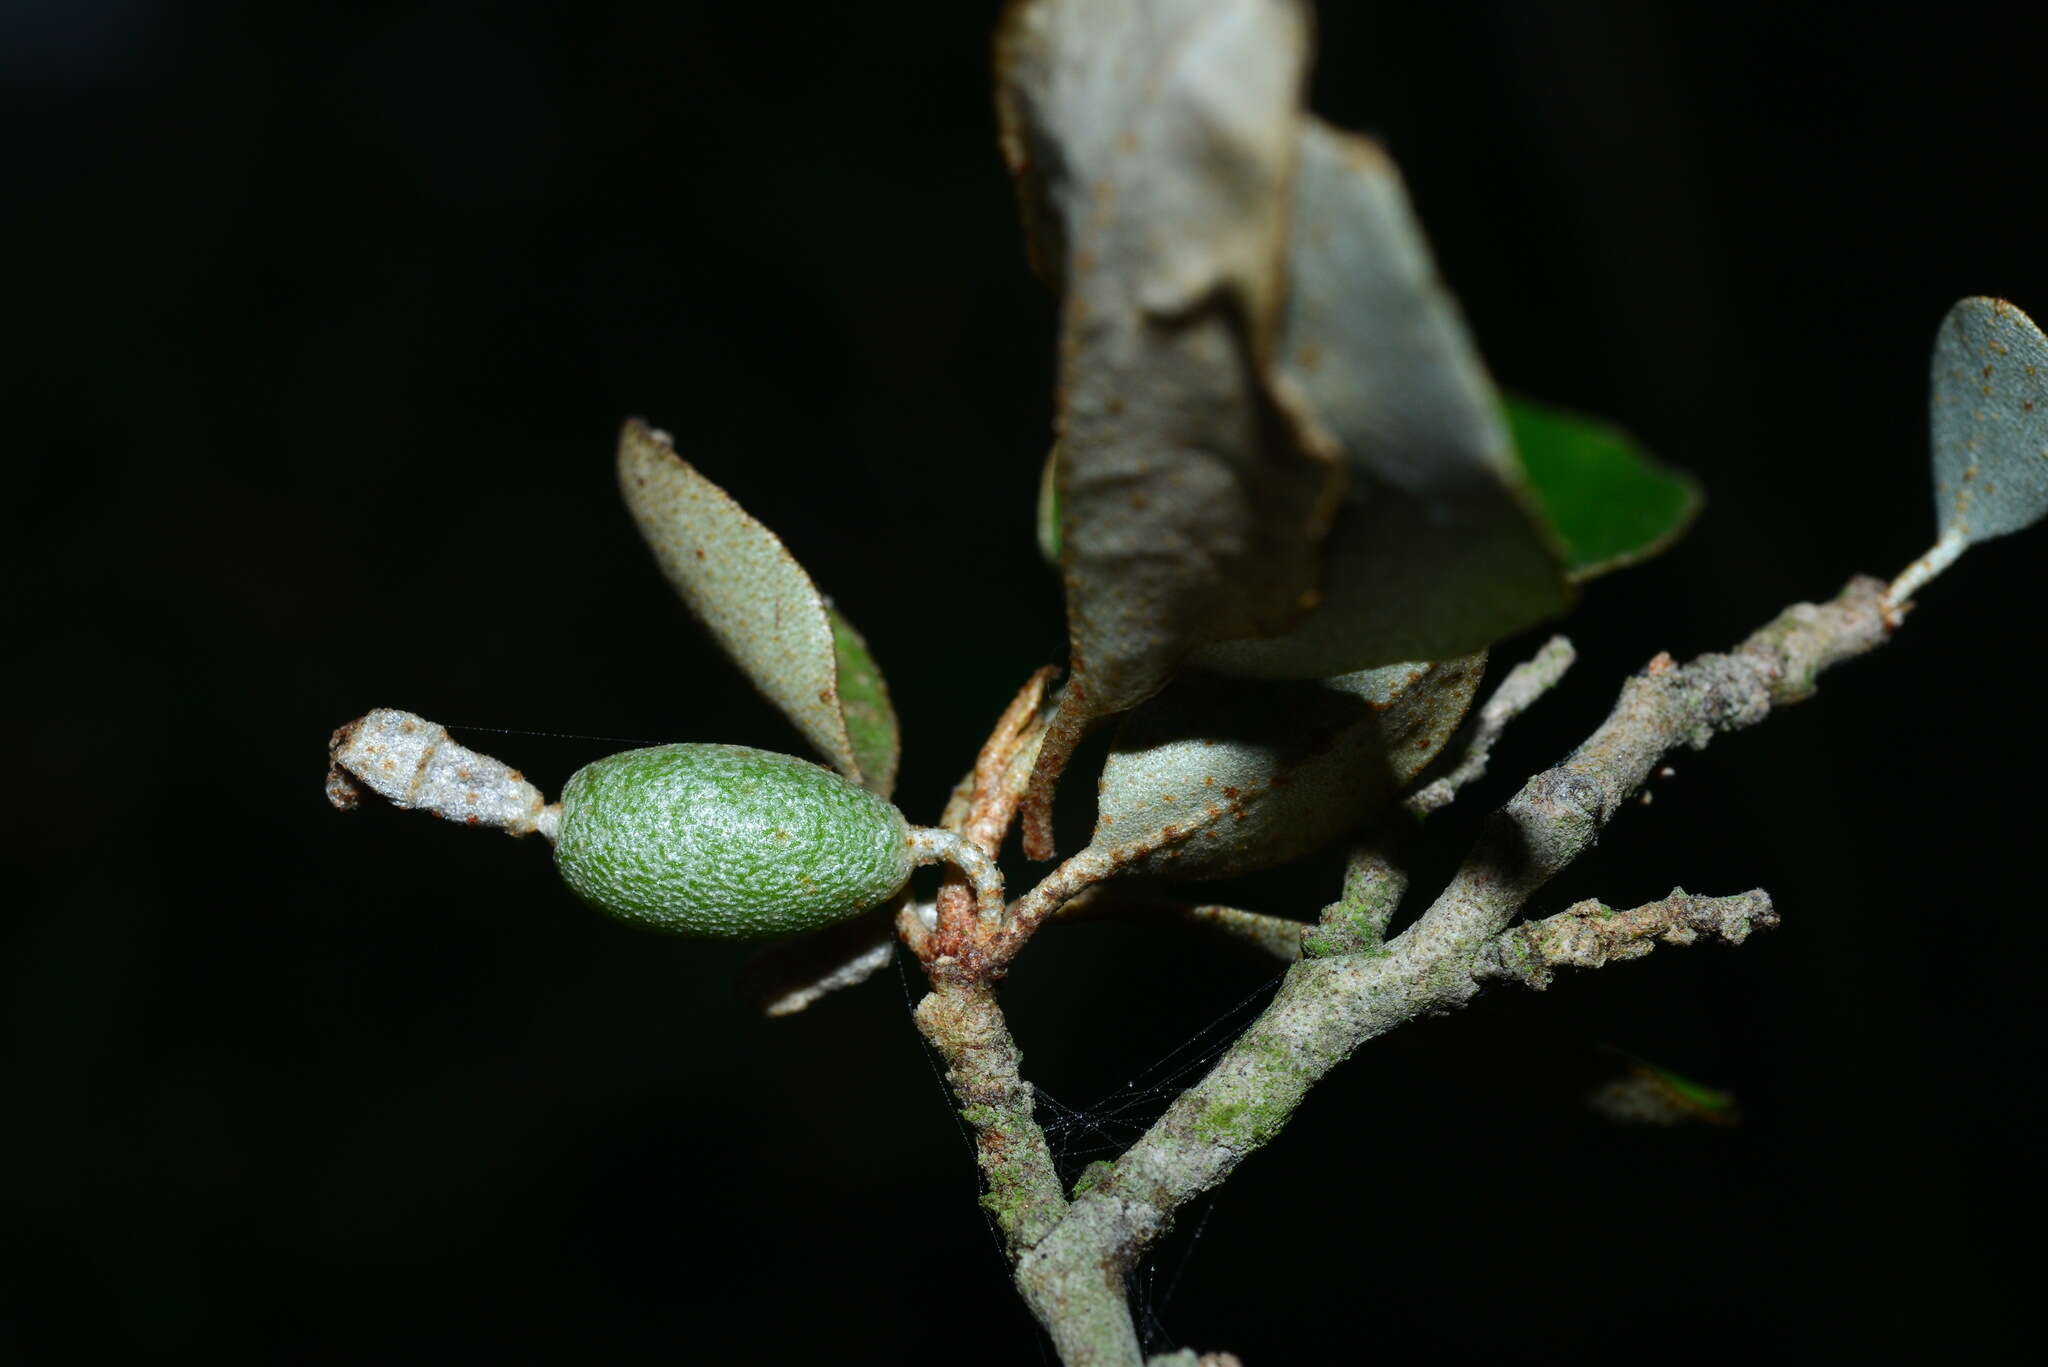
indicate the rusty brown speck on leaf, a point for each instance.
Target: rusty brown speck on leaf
{"x":1191,"y":515}
{"x":751,"y":595}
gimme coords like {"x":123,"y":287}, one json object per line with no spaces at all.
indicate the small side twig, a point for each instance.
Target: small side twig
{"x":965,"y":859}
{"x":1592,"y":934}
{"x":788,"y":976}
{"x":1524,"y":684}
{"x":1374,"y":883}
{"x":1558,"y":813}
{"x":1277,"y":936}
{"x":984,"y":805}
{"x":1067,"y":881}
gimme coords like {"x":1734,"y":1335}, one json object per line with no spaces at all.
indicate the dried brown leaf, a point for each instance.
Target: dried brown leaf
{"x":1439,"y":547}
{"x":1153,"y":142}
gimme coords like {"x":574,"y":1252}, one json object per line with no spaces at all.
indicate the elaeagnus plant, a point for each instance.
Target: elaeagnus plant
{"x":701,"y":839}
{"x":1290,"y":513}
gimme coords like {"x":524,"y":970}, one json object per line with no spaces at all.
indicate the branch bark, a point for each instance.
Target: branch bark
{"x":1071,"y":1255}
{"x":1560,"y":812}
{"x":1080,"y":1302}
{"x":1524,"y":684}
{"x":1591,"y":934}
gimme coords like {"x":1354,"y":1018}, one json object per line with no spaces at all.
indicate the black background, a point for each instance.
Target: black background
{"x":324,"y":322}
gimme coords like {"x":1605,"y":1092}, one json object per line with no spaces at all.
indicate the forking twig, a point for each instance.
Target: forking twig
{"x":1071,"y":1254}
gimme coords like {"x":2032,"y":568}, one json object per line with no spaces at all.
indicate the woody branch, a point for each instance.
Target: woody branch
{"x":1071,"y":1255}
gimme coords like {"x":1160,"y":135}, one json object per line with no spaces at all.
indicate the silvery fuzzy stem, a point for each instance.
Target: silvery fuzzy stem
{"x":1914,"y":577}
{"x":929,"y":845}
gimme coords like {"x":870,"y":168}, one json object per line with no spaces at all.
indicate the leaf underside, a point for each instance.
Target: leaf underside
{"x":1217,"y":777}
{"x":1988,"y":420}
{"x":1438,"y":548}
{"x":757,"y":602}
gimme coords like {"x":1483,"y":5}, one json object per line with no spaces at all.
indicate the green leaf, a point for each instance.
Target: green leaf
{"x":1697,"y":1095}
{"x":1609,"y":504}
{"x":1050,"y":538}
{"x":1224,"y":776}
{"x":1649,"y":1095}
{"x":1437,"y":548}
{"x":864,"y":700}
{"x":1988,"y":412}
{"x":761,"y":607}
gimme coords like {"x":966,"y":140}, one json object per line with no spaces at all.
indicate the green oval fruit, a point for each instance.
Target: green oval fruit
{"x":726,"y":842}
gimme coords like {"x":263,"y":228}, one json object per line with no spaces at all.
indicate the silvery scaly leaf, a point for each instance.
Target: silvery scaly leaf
{"x":1988,"y":414}
{"x":1153,"y":143}
{"x":1439,"y":547}
{"x":762,"y":609}
{"x":1988,"y":427}
{"x":1225,"y":776}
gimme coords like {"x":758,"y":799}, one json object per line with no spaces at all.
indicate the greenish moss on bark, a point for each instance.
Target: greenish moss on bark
{"x":1093,"y":1176}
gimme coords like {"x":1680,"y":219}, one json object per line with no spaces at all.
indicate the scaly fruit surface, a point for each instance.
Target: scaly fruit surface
{"x":727,"y":842}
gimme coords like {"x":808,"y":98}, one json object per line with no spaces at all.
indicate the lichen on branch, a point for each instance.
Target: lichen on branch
{"x":1071,"y":1255}
{"x":1591,"y":934}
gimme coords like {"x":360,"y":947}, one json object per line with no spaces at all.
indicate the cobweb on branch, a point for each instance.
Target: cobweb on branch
{"x":1103,"y":1129}
{"x":1080,"y":1135}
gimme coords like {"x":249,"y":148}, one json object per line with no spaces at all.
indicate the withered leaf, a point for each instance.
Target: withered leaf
{"x":1153,"y":142}
{"x":1439,"y":547}
{"x":762,"y":609}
